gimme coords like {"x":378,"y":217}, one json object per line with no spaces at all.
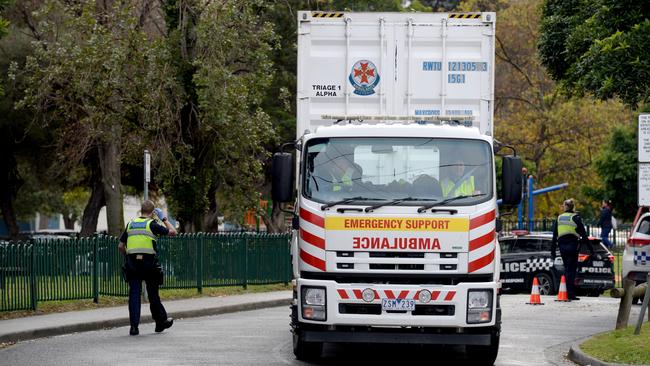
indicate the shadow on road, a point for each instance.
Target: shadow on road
{"x":343,"y":354}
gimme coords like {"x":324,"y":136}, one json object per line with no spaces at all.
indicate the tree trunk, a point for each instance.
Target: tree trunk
{"x":110,"y":154}
{"x":211,"y":220}
{"x":68,"y":221}
{"x":275,"y":223}
{"x":9,"y":215}
{"x":10,"y":182}
{"x":94,"y":205}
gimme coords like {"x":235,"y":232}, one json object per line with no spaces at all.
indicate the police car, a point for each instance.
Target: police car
{"x":527,"y":255}
{"x":636,"y":256}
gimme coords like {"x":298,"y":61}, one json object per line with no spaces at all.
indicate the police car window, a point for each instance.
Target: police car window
{"x":594,"y":246}
{"x":505,"y":245}
{"x":644,"y":228}
{"x":526,"y":245}
{"x":545,"y":245}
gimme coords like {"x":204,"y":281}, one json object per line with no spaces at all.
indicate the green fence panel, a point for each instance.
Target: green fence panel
{"x":63,"y":269}
{"x":109,"y":267}
{"x":178,"y":258}
{"x":16,"y":290}
{"x":224,"y":260}
{"x":87,"y":268}
{"x":268,"y":258}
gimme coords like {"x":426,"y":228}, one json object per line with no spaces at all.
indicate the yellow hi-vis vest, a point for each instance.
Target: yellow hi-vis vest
{"x":140,"y":238}
{"x":566,"y":225}
{"x":346,"y":181}
{"x":463,"y":189}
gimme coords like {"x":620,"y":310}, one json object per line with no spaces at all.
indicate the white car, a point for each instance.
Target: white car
{"x":636,"y":257}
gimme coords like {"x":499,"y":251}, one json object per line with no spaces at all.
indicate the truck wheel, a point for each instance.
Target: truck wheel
{"x":483,"y":355}
{"x":546,"y":285}
{"x":306,"y":351}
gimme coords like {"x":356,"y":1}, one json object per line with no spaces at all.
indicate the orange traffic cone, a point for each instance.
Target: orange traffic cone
{"x":535,"y":299}
{"x":562,"y":295}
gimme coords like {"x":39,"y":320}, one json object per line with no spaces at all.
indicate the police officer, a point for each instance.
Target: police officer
{"x":568,"y":230}
{"x":344,"y":173}
{"x":138,"y":243}
{"x":456,"y":183}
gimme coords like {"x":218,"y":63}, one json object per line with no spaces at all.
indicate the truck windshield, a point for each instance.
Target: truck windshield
{"x":423,"y":169}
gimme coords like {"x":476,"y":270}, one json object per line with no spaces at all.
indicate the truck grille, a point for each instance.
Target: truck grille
{"x":375,"y":309}
{"x":413,"y":262}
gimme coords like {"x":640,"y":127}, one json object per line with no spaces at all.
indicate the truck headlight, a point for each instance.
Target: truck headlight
{"x":314,"y":302}
{"x":479,"y":306}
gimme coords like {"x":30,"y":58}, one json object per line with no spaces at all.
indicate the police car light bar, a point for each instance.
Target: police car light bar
{"x":400,"y":118}
{"x":519,"y":232}
{"x":635,"y":242}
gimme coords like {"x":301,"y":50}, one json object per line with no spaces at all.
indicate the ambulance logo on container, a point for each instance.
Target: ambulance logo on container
{"x":364,"y":77}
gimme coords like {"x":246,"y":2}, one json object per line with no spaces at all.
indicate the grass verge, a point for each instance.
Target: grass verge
{"x":49,"y":307}
{"x":621,"y":346}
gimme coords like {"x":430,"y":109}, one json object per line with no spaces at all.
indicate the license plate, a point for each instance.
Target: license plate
{"x":598,"y":263}
{"x":398,"y":304}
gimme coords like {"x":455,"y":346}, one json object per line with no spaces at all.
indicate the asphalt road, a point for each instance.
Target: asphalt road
{"x":532,"y":335}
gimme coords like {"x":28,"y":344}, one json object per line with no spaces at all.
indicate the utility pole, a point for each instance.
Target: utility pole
{"x":147,"y":173}
{"x":147,"y":179}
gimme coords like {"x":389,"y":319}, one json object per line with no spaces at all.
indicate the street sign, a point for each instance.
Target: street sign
{"x":644,"y":138}
{"x":644,"y":184}
{"x":147,"y":166}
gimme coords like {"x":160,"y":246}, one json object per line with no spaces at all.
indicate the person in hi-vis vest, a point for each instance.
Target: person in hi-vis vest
{"x":138,"y":244}
{"x":457,"y":182}
{"x":568,"y":231}
{"x":343,"y":174}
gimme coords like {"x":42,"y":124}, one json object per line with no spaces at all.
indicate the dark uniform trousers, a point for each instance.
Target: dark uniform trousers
{"x":144,"y":267}
{"x":568,"y":246}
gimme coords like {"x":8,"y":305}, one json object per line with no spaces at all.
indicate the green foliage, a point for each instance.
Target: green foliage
{"x":598,"y":47}
{"x":557,"y":136}
{"x":620,"y":346}
{"x":4,"y":29}
{"x":233,"y":74}
{"x":102,"y":86}
{"x":224,"y":59}
{"x":617,"y":166}
{"x":99,"y":72}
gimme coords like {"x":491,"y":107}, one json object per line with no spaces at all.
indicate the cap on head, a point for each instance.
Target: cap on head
{"x":147,"y":207}
{"x":569,"y":204}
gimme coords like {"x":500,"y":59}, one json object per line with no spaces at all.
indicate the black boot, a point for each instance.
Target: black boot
{"x":134,"y":331}
{"x":164,"y":325}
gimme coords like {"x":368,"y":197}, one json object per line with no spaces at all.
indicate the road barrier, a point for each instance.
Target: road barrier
{"x":87,"y":268}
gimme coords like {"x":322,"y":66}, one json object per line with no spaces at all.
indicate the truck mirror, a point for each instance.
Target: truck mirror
{"x":498,"y":225}
{"x":512,"y":180}
{"x":282,"y":184}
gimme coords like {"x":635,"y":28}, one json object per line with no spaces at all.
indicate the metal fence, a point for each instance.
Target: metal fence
{"x":71,"y":269}
{"x":618,"y":236}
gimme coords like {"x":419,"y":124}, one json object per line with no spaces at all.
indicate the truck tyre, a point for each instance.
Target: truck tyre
{"x":483,"y":355}
{"x":306,"y":351}
{"x":546,"y":284}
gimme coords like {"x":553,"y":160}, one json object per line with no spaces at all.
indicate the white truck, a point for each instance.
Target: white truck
{"x":395,"y":213}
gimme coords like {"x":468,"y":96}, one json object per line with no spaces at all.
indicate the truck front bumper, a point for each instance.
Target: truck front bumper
{"x":400,"y":336}
{"x":447,"y":308}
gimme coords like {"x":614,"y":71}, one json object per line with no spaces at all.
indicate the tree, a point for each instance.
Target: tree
{"x":4,"y":29}
{"x":617,"y":166}
{"x":598,"y":47}
{"x":222,"y":57}
{"x":558,"y":136}
{"x":104,"y":85}
{"x":17,"y":139}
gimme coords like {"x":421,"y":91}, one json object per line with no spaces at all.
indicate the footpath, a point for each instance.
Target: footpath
{"x":38,"y":326}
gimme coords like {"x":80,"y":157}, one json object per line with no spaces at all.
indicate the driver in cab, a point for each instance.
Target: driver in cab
{"x":459,"y":181}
